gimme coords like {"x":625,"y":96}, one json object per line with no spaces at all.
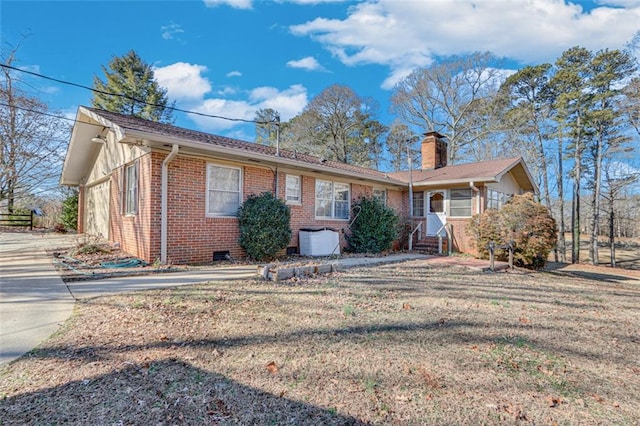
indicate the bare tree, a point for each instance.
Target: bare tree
{"x":630,"y":103}
{"x":401,"y":142}
{"x":617,"y":180}
{"x":32,"y":139}
{"x":445,"y":96}
{"x":337,"y":125}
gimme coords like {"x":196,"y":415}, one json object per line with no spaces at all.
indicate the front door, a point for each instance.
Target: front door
{"x":436,"y":216}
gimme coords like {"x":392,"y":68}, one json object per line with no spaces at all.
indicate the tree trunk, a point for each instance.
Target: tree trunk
{"x":612,"y":238}
{"x":575,"y":213}
{"x":561,"y":241}
{"x":595,"y":203}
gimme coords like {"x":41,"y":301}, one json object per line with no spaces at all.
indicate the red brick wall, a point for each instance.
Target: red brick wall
{"x":133,"y":232}
{"x":193,"y":237}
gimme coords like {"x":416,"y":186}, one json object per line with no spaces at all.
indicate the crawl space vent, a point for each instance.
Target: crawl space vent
{"x":221,"y":255}
{"x":292,"y":250}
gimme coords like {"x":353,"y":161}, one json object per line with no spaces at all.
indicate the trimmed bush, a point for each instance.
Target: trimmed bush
{"x":525,"y":222}
{"x":264,"y":226}
{"x":375,"y":226}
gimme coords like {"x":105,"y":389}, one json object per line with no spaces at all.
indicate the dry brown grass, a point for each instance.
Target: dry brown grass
{"x":410,"y":343}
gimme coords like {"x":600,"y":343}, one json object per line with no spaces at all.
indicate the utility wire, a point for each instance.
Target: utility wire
{"x":35,"y":111}
{"x":120,"y":95}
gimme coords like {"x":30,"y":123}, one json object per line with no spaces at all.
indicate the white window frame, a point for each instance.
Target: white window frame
{"x":453,"y":210}
{"x":381,"y":194}
{"x":335,"y":188}
{"x":495,"y":199}
{"x":419,"y":206}
{"x":130,"y":204}
{"x":208,"y":212}
{"x":293,"y":189}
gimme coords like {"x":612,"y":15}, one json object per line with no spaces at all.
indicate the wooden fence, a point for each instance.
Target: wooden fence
{"x":10,"y":219}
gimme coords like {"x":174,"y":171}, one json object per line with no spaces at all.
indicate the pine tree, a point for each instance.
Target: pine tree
{"x":134,"y":88}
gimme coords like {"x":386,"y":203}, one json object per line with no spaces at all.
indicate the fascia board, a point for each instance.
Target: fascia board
{"x":155,"y":139}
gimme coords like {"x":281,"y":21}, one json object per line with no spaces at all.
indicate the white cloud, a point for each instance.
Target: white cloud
{"x":226,"y":91}
{"x":170,"y":31}
{"x":309,"y":63}
{"x":408,"y":34}
{"x":183,"y":80}
{"x":234,"y":74}
{"x":288,"y":102}
{"x":236,"y":4}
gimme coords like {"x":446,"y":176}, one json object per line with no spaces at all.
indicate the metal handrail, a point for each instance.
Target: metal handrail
{"x":447,"y":233}
{"x":411,"y":235}
{"x":348,"y":227}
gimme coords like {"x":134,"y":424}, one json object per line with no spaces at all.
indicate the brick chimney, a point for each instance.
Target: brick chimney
{"x":434,"y":151}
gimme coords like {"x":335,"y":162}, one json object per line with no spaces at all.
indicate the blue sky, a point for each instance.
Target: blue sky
{"x":231,"y":57}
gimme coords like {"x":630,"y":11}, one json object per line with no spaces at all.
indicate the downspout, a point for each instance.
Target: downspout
{"x":164,"y":202}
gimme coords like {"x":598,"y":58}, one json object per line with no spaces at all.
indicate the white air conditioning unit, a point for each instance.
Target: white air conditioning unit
{"x":319,"y":242}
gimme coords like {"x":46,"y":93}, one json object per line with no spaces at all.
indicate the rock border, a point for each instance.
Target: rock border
{"x":281,"y":273}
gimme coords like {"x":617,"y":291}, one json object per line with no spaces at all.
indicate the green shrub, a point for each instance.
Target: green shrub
{"x":525,"y":222}
{"x":69,"y":216}
{"x":375,"y":226}
{"x":264,"y":226}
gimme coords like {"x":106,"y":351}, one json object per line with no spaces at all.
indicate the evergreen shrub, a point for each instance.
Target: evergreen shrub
{"x":69,"y":216}
{"x":375,"y":226}
{"x":264,"y":223}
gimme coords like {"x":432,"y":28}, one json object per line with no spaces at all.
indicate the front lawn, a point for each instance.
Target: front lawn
{"x":410,"y":343}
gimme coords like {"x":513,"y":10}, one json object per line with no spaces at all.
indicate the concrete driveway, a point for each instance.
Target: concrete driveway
{"x":34,"y":301}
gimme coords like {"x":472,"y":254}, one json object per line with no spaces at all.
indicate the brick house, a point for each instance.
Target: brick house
{"x":169,"y":193}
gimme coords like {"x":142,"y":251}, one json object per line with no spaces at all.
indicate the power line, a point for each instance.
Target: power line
{"x":131,"y":98}
{"x":35,"y":111}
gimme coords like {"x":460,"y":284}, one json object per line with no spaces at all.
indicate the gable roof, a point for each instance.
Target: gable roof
{"x":134,"y":130}
{"x":485,"y":171}
{"x":81,"y":154}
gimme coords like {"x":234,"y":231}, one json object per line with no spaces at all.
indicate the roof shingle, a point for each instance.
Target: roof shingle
{"x":128,"y":122}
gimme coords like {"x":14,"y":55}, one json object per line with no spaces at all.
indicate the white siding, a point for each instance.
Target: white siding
{"x":96,"y":210}
{"x":507,"y":185}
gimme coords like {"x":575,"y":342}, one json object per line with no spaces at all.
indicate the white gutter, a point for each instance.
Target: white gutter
{"x":263,"y":158}
{"x":164,"y":221}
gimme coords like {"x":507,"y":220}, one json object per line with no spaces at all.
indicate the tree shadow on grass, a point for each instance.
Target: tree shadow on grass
{"x":558,"y":269}
{"x":164,"y":392}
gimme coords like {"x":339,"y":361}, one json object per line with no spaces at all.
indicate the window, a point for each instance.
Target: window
{"x":380,"y":194}
{"x":332,"y":200}
{"x":495,"y":199}
{"x":131,"y":189}
{"x":223,"y":190}
{"x":292,"y":189}
{"x":418,"y":204}
{"x":460,"y":202}
{"x":436,"y":202}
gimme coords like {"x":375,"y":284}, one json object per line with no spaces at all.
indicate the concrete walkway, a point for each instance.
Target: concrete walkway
{"x":34,"y":301}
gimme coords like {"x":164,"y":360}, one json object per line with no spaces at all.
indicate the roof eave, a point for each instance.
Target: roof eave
{"x":154,"y":139}
{"x":449,"y":182}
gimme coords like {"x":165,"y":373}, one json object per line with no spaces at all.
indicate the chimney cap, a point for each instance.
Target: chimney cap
{"x":435,"y":134}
